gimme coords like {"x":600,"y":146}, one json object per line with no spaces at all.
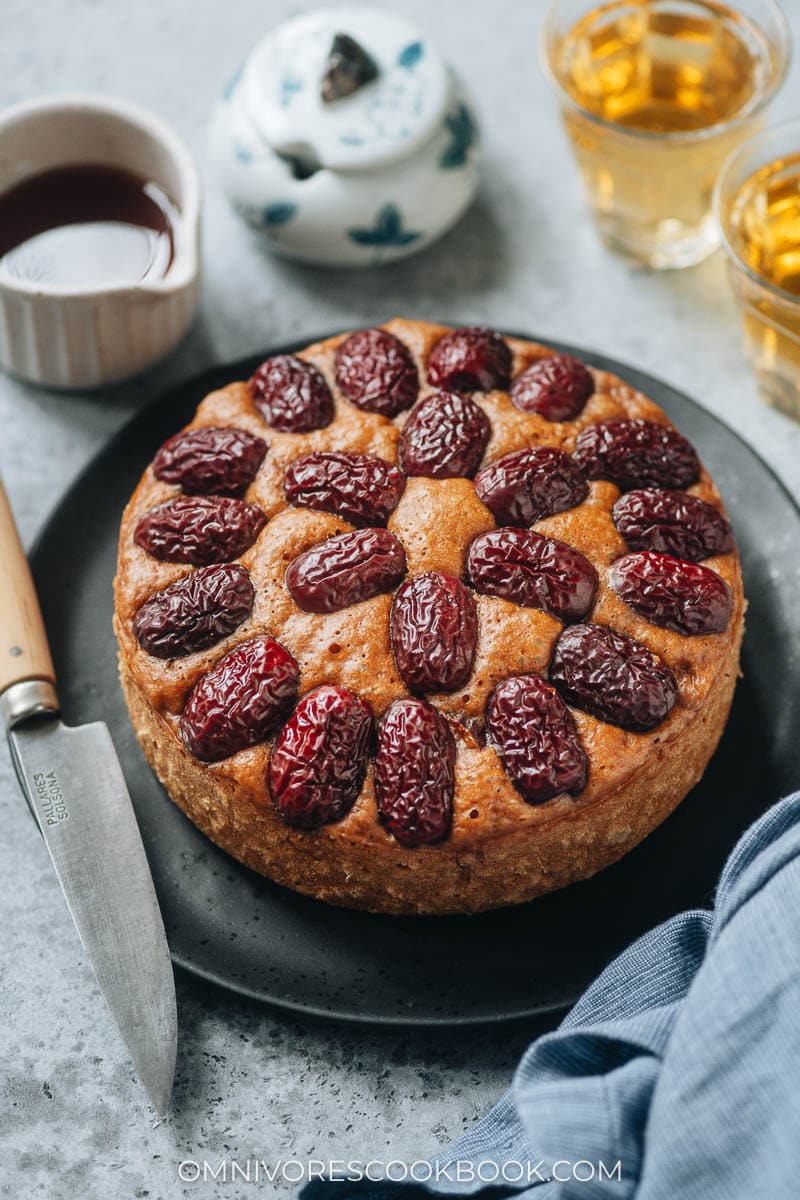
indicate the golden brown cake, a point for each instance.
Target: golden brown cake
{"x":425,"y":620}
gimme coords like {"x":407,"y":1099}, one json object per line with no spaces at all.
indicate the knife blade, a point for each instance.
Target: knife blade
{"x":77,"y":793}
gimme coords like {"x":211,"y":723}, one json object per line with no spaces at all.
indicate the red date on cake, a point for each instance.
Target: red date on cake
{"x":195,"y":612}
{"x":434,"y":632}
{"x":527,"y":485}
{"x":291,"y":395}
{"x":556,"y":387}
{"x":532,"y":570}
{"x":535,"y":736}
{"x":685,"y":597}
{"x":359,"y":487}
{"x":376,"y":372}
{"x":636,"y":453}
{"x":470,"y":360}
{"x":346,"y":569}
{"x":320,"y":757}
{"x":672,"y":523}
{"x":612,"y":677}
{"x":199,"y":529}
{"x":212,"y":461}
{"x":415,"y":773}
{"x":444,"y":437}
{"x":240,"y":701}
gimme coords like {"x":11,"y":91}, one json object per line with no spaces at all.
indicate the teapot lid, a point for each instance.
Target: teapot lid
{"x":397,"y":83}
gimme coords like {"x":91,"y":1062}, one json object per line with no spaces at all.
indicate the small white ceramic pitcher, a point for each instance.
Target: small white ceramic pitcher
{"x":82,"y":337}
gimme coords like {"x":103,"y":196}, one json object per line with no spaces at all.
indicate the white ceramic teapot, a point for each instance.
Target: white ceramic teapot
{"x":346,"y":139}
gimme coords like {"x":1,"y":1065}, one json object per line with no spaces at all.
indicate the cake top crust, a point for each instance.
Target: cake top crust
{"x":420,"y":514}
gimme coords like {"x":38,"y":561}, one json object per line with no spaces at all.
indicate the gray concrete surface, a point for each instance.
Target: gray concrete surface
{"x":253,"y":1083}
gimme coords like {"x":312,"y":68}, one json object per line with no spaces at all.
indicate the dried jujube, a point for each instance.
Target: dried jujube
{"x":678,"y":595}
{"x":471,"y":359}
{"x":376,"y":372}
{"x":415,"y":773}
{"x":212,"y":461}
{"x":533,"y":731}
{"x":556,"y":387}
{"x":612,"y":677}
{"x":320,"y":757}
{"x":240,"y":701}
{"x":444,"y":437}
{"x":532,"y":570}
{"x":199,"y":529}
{"x":434,"y":632}
{"x":345,"y":570}
{"x":363,"y":489}
{"x":195,"y":612}
{"x":634,"y":453}
{"x":527,"y":485}
{"x":672,"y":523}
{"x":291,"y":395}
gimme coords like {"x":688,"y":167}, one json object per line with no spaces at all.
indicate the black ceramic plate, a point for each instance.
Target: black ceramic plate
{"x":231,"y":926}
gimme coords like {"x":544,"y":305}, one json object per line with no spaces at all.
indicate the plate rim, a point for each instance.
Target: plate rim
{"x":141,"y":417}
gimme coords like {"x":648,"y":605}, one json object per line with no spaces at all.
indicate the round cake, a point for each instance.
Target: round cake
{"x":427,"y":620}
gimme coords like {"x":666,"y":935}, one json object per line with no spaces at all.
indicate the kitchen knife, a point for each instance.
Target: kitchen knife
{"x":76,"y":791}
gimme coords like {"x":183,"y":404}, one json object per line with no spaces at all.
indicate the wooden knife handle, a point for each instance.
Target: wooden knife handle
{"x":24,"y":652}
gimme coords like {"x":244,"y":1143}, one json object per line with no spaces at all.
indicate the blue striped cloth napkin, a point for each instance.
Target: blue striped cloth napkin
{"x":675,"y":1077}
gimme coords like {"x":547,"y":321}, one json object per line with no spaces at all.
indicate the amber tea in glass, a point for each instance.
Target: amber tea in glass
{"x":655,"y":94}
{"x":757,"y":203}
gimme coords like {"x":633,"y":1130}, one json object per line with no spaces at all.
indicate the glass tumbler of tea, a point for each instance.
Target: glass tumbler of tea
{"x":655,"y":94}
{"x":757,"y":206}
